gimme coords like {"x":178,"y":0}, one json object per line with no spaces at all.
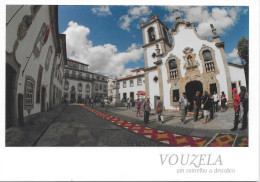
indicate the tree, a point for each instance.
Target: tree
{"x":242,"y":50}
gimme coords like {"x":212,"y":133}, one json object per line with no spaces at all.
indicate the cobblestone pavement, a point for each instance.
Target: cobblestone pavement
{"x":76,"y":126}
{"x":33,"y":128}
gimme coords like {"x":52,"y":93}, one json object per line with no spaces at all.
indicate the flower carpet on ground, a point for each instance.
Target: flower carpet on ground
{"x":219,"y":140}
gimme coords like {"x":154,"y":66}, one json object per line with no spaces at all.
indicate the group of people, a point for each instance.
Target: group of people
{"x":208,"y":103}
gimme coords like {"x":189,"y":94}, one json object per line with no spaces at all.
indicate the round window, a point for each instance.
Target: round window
{"x":155,"y":79}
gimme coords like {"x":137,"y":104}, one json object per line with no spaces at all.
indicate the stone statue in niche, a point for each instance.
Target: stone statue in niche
{"x":189,"y":62}
{"x":189,"y":58}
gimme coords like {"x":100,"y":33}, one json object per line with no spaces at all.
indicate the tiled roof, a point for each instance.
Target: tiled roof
{"x":72,"y":60}
{"x":130,"y":76}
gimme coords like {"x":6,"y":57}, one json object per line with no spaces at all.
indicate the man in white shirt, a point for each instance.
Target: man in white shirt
{"x":216,"y":100}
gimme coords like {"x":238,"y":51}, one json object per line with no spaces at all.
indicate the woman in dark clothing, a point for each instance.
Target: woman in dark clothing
{"x":223,"y":102}
{"x":206,"y":107}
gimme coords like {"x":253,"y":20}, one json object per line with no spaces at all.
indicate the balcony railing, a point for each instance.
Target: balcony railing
{"x":79,"y":77}
{"x":209,"y":65}
{"x":174,"y":74}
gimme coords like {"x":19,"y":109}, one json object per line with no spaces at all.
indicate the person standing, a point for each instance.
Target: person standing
{"x":216,"y":100}
{"x":236,"y":104}
{"x":146,"y":108}
{"x":91,"y":102}
{"x":245,"y":106}
{"x":196,"y":106}
{"x":138,"y":106}
{"x":206,"y":107}
{"x":159,"y":110}
{"x":241,"y":95}
{"x":128,"y":103}
{"x":211,"y":110}
{"x":106,"y":104}
{"x":183,"y":107}
{"x":223,"y":102}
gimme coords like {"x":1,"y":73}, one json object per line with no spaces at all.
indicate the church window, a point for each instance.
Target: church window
{"x":173,"y":69}
{"x":48,"y":59}
{"x":151,"y":34}
{"x":176,"y":95}
{"x":66,"y":85}
{"x":29,"y":90}
{"x":131,"y":83}
{"x":79,"y":87}
{"x":207,"y":55}
{"x":153,"y":55}
{"x":208,"y":61}
{"x":139,"y":81}
{"x":40,"y":41}
{"x":87,"y":88}
{"x":124,"y":84}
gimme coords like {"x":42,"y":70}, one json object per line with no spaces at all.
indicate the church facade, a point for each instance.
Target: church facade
{"x":188,"y":63}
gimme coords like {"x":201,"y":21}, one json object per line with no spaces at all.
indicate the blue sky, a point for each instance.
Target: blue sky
{"x":109,"y":38}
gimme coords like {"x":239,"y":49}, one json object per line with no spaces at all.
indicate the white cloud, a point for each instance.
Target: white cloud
{"x":134,"y":13}
{"x":234,"y":57}
{"x":222,"y":18}
{"x":103,"y":58}
{"x":101,"y":10}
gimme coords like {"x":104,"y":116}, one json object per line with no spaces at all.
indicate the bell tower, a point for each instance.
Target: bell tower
{"x":154,"y":33}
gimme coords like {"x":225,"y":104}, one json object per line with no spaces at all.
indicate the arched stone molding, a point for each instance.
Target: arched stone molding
{"x":12,"y":62}
{"x":173,"y":80}
{"x":209,"y":77}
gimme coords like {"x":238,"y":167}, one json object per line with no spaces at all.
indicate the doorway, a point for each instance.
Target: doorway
{"x":191,"y":88}
{"x":9,"y":95}
{"x":213,"y":88}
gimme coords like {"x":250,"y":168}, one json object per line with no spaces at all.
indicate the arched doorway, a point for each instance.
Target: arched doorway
{"x":10,"y":95}
{"x":191,"y":88}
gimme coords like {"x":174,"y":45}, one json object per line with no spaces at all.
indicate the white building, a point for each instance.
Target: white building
{"x":80,"y":84}
{"x":188,"y":64}
{"x":33,"y":53}
{"x":130,"y":85}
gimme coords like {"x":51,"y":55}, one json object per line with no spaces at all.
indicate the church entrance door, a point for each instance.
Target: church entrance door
{"x":10,"y":104}
{"x":191,"y":88}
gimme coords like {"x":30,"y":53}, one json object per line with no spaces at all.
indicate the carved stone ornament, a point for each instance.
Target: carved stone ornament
{"x":189,"y":58}
{"x":24,"y":26}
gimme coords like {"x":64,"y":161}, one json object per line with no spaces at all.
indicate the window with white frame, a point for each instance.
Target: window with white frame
{"x":79,"y":87}
{"x":139,"y":81}
{"x":29,"y":88}
{"x":131,"y":83}
{"x":87,"y":88}
{"x":124,"y":84}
